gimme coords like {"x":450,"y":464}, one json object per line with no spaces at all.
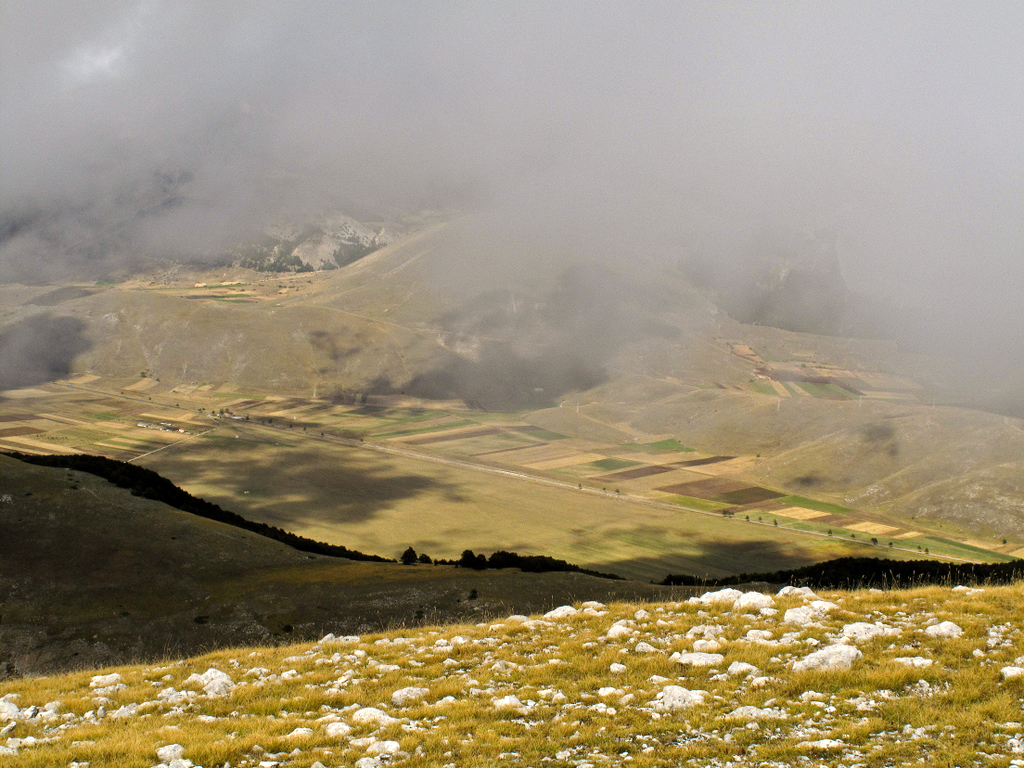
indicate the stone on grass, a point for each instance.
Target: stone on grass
{"x":508,"y":702}
{"x":758,"y":713}
{"x":8,"y":710}
{"x":720,"y":597}
{"x":645,"y":648}
{"x":617,"y":630}
{"x":913,"y":661}
{"x":404,"y":696}
{"x":337,"y":730}
{"x":830,"y":658}
{"x":752,"y":602}
{"x":300,"y":733}
{"x":214,"y":682}
{"x":169,"y":752}
{"x":675,"y":697}
{"x":1011,"y":673}
{"x":808,"y":614}
{"x":372,"y":716}
{"x":805,"y":592}
{"x":383,"y":748}
{"x":562,"y":612}
{"x":862,"y":631}
{"x":105,"y":681}
{"x":697,"y":659}
{"x":706,"y":646}
{"x":946,"y":630}
{"x":616,"y":668}
{"x":741,"y":668}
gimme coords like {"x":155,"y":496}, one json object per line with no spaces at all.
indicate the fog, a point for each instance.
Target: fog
{"x":609,"y":131}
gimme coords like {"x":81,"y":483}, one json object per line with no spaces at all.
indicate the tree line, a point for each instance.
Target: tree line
{"x":868,"y":572}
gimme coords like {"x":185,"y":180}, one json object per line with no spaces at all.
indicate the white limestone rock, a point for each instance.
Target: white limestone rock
{"x":742,"y":668}
{"x":337,"y":730}
{"x":675,"y":697}
{"x":617,"y":630}
{"x":914,"y":661}
{"x":862,"y":631}
{"x":809,"y":614}
{"x":753,"y":602}
{"x":105,"y":681}
{"x":213,"y":682}
{"x":1011,"y":673}
{"x":383,"y":748}
{"x":169,"y":752}
{"x":562,"y":612}
{"x":372,"y":716}
{"x":946,"y":630}
{"x":830,"y":658}
{"x":508,"y":702}
{"x":405,"y":696}
{"x":9,"y":710}
{"x":706,"y":646}
{"x":805,"y":592}
{"x":759,"y":713}
{"x":697,"y":659}
{"x":727,"y":597}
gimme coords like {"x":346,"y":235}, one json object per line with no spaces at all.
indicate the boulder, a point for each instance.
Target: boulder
{"x":752,"y":602}
{"x":405,"y":696}
{"x":675,"y":697}
{"x":697,"y":659}
{"x":372,"y":716}
{"x":830,"y":658}
{"x":169,"y":752}
{"x":562,"y":612}
{"x":946,"y":630}
{"x":337,"y":730}
{"x":862,"y":631}
{"x":720,"y":597}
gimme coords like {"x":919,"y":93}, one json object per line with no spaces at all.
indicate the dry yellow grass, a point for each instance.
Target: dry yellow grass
{"x":932,"y":678}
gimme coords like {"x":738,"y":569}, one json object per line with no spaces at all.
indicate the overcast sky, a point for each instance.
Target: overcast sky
{"x":899,"y":124}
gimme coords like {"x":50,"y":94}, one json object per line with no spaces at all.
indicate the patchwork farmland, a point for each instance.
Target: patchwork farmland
{"x":379,"y":477}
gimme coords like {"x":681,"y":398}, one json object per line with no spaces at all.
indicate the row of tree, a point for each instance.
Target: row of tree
{"x":866,"y":572}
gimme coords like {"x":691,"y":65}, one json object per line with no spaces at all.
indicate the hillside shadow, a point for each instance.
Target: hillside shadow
{"x":717,"y":559}
{"x":295,"y":487}
{"x":40,"y":349}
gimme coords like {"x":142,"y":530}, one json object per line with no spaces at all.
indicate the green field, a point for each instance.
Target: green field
{"x":817,"y":506}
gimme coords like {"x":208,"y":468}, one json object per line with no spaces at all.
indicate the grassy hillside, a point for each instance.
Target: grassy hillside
{"x":90,"y":574}
{"x":928,"y":676}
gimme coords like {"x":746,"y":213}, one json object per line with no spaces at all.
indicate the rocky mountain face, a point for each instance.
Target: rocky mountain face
{"x":328,"y":242}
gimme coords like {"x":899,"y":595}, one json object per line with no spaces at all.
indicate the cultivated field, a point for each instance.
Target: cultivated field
{"x":381,"y":479}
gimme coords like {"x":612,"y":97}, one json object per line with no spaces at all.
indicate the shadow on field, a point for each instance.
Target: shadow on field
{"x":715,"y":559}
{"x":40,"y":349}
{"x":290,"y":485}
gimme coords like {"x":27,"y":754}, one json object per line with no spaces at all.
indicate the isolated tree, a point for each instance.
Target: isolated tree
{"x":409,"y":557}
{"x":425,"y":560}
